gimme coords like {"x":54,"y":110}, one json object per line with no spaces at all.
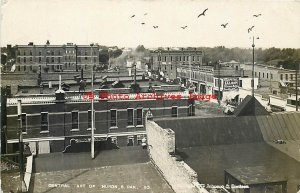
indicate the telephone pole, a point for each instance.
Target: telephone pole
{"x":92,"y":104}
{"x":297,"y":102}
{"x":21,"y":148}
{"x":252,"y":81}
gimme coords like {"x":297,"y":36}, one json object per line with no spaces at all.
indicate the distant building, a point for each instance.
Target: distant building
{"x":272,"y":77}
{"x":165,"y":62}
{"x":55,"y":58}
{"x":205,"y":78}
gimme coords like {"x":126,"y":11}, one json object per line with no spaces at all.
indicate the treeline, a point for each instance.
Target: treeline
{"x":287,"y":57}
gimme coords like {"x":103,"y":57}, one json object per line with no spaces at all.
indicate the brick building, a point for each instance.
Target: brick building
{"x":50,"y":123}
{"x":165,"y":62}
{"x":55,"y":58}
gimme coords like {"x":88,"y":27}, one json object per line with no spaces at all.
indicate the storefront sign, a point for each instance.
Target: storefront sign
{"x":231,"y":83}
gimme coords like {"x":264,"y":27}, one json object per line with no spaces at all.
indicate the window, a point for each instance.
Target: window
{"x":89,"y":119}
{"x":19,"y":68}
{"x":171,"y":58}
{"x":24,"y":122}
{"x":59,"y":52}
{"x":183,"y":58}
{"x":40,"y":59}
{"x":19,"y":60}
{"x":139,"y":116}
{"x":259,"y":75}
{"x":129,"y":117}
{"x":30,"y":68}
{"x":255,"y":74}
{"x":130,"y":141}
{"x":24,"y":67}
{"x":179,"y":58}
{"x":44,"y":121}
{"x":191,"y":110}
{"x":263,"y":75}
{"x":52,"y":60}
{"x":271,"y":76}
{"x":281,"y":76}
{"x":30,"y":53}
{"x":174,"y":112}
{"x":267,"y":75}
{"x":113,"y":118}
{"x":165,"y":67}
{"x":24,"y":60}
{"x":58,"y":59}
{"x":286,"y":76}
{"x":40,"y":53}
{"x":30,"y":59}
{"x":193,"y":58}
{"x":171,"y":67}
{"x":75,"y":121}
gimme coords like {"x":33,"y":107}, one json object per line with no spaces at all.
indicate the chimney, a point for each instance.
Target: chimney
{"x":60,"y":94}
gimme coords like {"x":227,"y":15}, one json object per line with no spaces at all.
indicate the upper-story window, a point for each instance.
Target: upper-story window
{"x":30,"y":53}
{"x":44,"y":121}
{"x":139,"y":116}
{"x":40,"y":53}
{"x":75,"y":120}
{"x":129,"y":117}
{"x":113,"y":118}
{"x":174,"y":111}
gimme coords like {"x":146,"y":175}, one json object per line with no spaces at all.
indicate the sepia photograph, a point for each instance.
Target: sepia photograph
{"x":150,"y":96}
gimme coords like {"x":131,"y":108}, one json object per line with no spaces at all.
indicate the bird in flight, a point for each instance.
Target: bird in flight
{"x":184,"y":27}
{"x":250,"y":29}
{"x":257,"y":38}
{"x":143,"y":23}
{"x":132,"y":16}
{"x":224,"y":25}
{"x":203,"y":13}
{"x":155,"y":26}
{"x":257,"y":15}
{"x":145,"y":13}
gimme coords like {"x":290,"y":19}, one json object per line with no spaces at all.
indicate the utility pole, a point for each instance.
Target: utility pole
{"x":21,"y":148}
{"x":219,"y":84}
{"x":190,"y":65}
{"x":252,"y":82}
{"x":92,"y":101}
{"x":297,"y":102}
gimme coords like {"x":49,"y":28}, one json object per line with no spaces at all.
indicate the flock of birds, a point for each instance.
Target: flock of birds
{"x":203,"y":14}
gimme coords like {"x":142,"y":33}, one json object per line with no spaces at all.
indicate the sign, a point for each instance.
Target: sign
{"x":81,"y":140}
{"x":231,"y":83}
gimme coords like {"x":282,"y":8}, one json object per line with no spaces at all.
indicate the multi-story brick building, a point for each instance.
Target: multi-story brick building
{"x":50,"y":122}
{"x":165,"y":62}
{"x":55,"y":57}
{"x":205,"y":78}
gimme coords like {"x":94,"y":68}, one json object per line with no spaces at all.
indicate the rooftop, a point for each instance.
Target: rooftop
{"x":124,"y":170}
{"x":212,"y":145}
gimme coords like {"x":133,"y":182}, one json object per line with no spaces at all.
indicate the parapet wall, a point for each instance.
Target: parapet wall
{"x":161,"y":146}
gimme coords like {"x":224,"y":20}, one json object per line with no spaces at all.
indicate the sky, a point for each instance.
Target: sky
{"x":109,"y":22}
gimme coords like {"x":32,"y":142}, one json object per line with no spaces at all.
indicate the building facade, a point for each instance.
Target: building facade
{"x":165,"y":62}
{"x":50,"y":123}
{"x":221,"y":79}
{"x":55,"y":58}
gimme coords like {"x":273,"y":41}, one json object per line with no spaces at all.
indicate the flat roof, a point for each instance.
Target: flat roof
{"x":210,"y":162}
{"x":255,"y":175}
